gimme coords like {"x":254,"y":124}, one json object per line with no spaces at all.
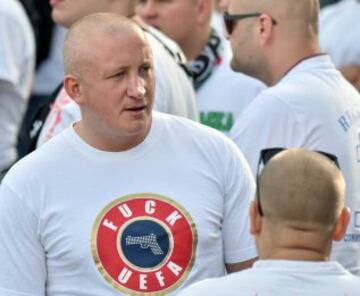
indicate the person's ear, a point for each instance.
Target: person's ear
{"x":341,"y":224}
{"x":73,"y":89}
{"x":255,"y":218}
{"x":265,"y":28}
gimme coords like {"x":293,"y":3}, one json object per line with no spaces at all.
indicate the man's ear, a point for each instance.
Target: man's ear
{"x":341,"y":224}
{"x":73,"y":89}
{"x":265,"y":28}
{"x":255,"y":218}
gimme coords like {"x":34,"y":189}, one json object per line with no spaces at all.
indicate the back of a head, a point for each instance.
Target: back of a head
{"x":302,"y":190}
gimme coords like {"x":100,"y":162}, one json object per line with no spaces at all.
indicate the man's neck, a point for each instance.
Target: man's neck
{"x":281,"y":64}
{"x":293,"y":244}
{"x":193,"y":45}
{"x":108,"y":141}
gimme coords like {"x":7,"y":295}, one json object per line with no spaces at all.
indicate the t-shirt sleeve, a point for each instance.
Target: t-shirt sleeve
{"x":22,"y":258}
{"x":9,"y":49}
{"x":239,"y":244}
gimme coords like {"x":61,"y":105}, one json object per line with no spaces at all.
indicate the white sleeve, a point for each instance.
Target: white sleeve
{"x":239,"y":244}
{"x":22,"y":258}
{"x":192,"y":110}
{"x":267,"y":123}
{"x":12,"y":107}
{"x":161,"y":90}
{"x":201,"y":288}
{"x":9,"y":50}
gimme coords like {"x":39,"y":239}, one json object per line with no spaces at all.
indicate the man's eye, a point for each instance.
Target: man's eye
{"x":119,"y":75}
{"x":145,"y":69}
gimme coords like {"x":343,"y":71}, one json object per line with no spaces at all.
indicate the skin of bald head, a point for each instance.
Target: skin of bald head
{"x":274,"y":48}
{"x":302,"y":198}
{"x":76,"y":59}
{"x":109,"y":74}
{"x":185,"y":21}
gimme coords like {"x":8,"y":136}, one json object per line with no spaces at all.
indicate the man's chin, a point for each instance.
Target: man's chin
{"x":235,"y":65}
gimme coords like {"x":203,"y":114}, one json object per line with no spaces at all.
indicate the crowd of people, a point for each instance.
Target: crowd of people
{"x":191,"y":147}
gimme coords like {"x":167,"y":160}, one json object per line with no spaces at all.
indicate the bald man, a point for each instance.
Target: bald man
{"x":221,"y":94}
{"x":302,"y":211}
{"x":174,"y":92}
{"x":124,"y":201}
{"x":308,"y":104}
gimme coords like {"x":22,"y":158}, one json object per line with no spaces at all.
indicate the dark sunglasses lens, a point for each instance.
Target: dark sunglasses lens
{"x":331,"y":157}
{"x":267,"y":154}
{"x":229,"y":25}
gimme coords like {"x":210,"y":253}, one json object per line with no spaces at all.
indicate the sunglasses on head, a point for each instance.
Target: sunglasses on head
{"x":267,"y":154}
{"x":231,"y":19}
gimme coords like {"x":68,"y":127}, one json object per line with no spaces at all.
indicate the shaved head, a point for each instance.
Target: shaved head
{"x":80,"y":43}
{"x":267,"y":46}
{"x":302,"y":189}
{"x":295,"y":17}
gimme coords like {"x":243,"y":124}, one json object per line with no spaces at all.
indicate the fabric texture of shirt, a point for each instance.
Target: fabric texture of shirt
{"x":312,"y":107}
{"x":282,"y":278}
{"x":50,"y":232}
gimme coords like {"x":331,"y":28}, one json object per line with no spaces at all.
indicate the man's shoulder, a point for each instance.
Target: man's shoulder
{"x":227,"y":284}
{"x":192,"y":133}
{"x":339,"y":10}
{"x":39,"y":162}
{"x":186,"y":127}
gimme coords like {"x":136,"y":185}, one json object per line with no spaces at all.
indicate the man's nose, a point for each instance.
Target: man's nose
{"x":136,"y":88}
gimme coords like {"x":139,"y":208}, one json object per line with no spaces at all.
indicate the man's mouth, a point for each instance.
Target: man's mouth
{"x":136,"y":109}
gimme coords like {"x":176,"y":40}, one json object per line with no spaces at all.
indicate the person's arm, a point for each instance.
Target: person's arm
{"x":22,"y":258}
{"x":12,"y":107}
{"x":239,"y":245}
{"x":240,"y":266}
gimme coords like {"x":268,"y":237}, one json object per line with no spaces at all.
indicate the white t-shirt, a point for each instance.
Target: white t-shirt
{"x":217,"y":22}
{"x":340,"y":32}
{"x":162,"y":215}
{"x":313,"y":107}
{"x":174,"y":93}
{"x":225,"y":94}
{"x":17,"y":60}
{"x":282,"y":278}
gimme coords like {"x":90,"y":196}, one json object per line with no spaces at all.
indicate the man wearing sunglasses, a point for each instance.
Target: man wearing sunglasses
{"x":308,"y":104}
{"x":221,"y":94}
{"x":294,"y":229}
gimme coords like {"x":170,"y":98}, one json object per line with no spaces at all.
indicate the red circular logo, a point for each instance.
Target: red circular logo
{"x":144,"y":243}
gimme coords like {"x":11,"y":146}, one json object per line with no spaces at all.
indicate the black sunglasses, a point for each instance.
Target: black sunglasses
{"x":230,"y":20}
{"x":267,"y":154}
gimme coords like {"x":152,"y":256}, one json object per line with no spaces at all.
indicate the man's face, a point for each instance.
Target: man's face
{"x":67,"y":12}
{"x":223,"y":5}
{"x":241,"y":40}
{"x":117,"y":85}
{"x":175,"y":18}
